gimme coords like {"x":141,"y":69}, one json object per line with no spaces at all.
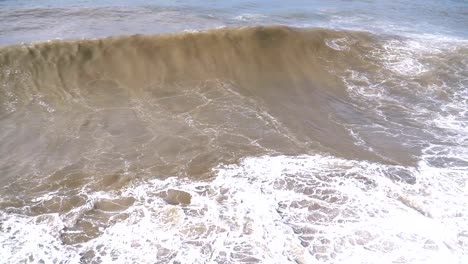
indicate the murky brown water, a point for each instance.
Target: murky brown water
{"x":233,"y":145}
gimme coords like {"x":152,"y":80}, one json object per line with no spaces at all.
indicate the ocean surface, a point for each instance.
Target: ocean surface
{"x":233,"y":131}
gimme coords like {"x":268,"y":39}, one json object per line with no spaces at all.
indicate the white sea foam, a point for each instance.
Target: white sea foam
{"x":340,"y":43}
{"x":272,"y":210}
{"x":251,"y":17}
{"x":33,"y":240}
{"x":440,"y":191}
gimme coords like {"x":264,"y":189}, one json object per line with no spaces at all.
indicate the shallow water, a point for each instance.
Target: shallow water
{"x":250,"y":132}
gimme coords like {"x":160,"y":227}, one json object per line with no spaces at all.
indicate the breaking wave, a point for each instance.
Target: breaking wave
{"x":257,"y":144}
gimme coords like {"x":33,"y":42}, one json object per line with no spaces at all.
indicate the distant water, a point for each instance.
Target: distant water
{"x":26,"y":21}
{"x":234,"y":132}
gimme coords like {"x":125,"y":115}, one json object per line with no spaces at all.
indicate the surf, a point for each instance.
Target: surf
{"x":105,"y":140}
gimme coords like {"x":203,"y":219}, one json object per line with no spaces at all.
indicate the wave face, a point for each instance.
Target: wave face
{"x":234,"y":145}
{"x":252,"y":90}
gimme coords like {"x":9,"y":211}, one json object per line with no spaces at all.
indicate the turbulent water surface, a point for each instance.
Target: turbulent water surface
{"x":249,"y":132}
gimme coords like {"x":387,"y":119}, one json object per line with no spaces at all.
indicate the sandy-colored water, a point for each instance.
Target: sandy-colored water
{"x":258,"y":144}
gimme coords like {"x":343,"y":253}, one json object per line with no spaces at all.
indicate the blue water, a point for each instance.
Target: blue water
{"x":27,"y":20}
